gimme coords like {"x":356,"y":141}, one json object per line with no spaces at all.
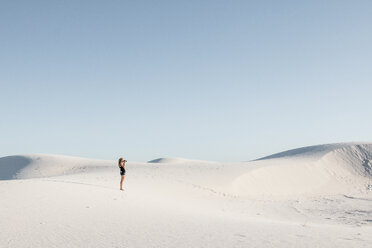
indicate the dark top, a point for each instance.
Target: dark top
{"x":122,"y":169}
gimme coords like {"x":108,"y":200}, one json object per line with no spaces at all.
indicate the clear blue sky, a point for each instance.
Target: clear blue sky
{"x":213,"y":80}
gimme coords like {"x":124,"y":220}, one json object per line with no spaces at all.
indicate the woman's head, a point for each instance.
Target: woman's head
{"x":122,"y":160}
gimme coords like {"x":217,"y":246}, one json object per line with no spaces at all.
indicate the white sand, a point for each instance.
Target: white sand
{"x":317,"y":196}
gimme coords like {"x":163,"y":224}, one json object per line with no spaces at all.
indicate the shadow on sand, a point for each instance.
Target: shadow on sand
{"x":11,"y":165}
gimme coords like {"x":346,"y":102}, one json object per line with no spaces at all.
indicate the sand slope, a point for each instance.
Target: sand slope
{"x":317,"y":196}
{"x":315,"y":170}
{"x":46,"y":165}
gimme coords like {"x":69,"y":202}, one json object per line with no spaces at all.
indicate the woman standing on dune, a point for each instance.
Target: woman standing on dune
{"x":122,"y":171}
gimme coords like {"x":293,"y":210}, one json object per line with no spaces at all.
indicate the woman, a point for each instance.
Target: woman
{"x":122,"y":171}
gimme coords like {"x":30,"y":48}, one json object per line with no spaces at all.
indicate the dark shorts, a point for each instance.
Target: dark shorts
{"x":122,"y":173}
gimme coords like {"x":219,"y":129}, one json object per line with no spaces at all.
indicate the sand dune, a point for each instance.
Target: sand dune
{"x":313,"y":196}
{"x":314,"y":152}
{"x":322,"y":170}
{"x":177,"y":161}
{"x":46,"y":165}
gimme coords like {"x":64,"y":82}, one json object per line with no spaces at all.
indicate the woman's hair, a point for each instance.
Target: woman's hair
{"x":121,"y":160}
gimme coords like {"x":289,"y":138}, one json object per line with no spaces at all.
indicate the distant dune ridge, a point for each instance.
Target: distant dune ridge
{"x":317,"y":150}
{"x":45,"y":165}
{"x":321,"y":169}
{"x":176,"y":161}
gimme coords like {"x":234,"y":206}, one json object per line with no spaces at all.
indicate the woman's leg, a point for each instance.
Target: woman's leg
{"x":121,"y":182}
